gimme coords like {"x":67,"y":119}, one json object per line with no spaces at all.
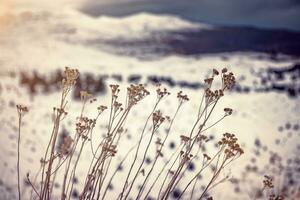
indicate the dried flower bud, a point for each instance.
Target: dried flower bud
{"x":136,"y":93}
{"x":84,"y":95}
{"x":182,"y":97}
{"x":228,"y":111}
{"x":184,"y":139}
{"x":268,"y":182}
{"x":215,"y":72}
{"x":70,"y":77}
{"x":157,"y":119}
{"x":162,"y":92}
{"x":224,"y":70}
{"x":21,"y":109}
{"x":206,"y":156}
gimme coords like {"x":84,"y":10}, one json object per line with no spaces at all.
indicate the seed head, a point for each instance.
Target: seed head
{"x":70,"y":77}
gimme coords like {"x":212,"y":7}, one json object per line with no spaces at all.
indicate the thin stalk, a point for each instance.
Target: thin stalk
{"x":137,"y":150}
{"x":18,"y":161}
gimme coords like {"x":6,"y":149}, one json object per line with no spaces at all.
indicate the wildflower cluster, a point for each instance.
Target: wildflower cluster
{"x":109,"y":150}
{"x":228,"y":79}
{"x":84,"y":95}
{"x":84,"y":125}
{"x":184,"y":139}
{"x":101,"y":108}
{"x":70,"y":77}
{"x":268,"y":182}
{"x":202,"y":138}
{"x":157,"y":119}
{"x":232,"y":148}
{"x":66,"y":158}
{"x":182,"y":97}
{"x":136,"y":93}
{"x":161,"y":92}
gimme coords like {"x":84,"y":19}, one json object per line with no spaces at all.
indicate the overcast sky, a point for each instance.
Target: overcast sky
{"x":260,"y":13}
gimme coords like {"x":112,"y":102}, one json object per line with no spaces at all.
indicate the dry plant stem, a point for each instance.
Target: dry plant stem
{"x":117,"y":142}
{"x":101,"y":159}
{"x":219,"y":182}
{"x":161,"y":171}
{"x":185,"y":169}
{"x":36,"y":192}
{"x":197,"y":154}
{"x":35,"y":178}
{"x":116,"y":171}
{"x":204,"y":166}
{"x":137,"y":150}
{"x":141,"y":164}
{"x":157,"y":156}
{"x":67,"y":168}
{"x":107,"y":168}
{"x":120,"y":124}
{"x":45,"y":187}
{"x":181,"y":165}
{"x":215,"y":176}
{"x":18,"y":161}
{"x":193,"y":189}
{"x":73,"y":172}
{"x":54,"y":177}
{"x":168,"y":173}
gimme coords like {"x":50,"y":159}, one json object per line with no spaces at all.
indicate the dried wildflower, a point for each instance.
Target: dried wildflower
{"x":136,"y":93}
{"x":224,"y":70}
{"x":184,"y":139}
{"x":206,"y":157}
{"x":117,"y":106}
{"x":114,"y":90}
{"x":84,"y":95}
{"x":228,"y":111}
{"x":268,"y":182}
{"x":213,"y":95}
{"x":221,"y":93}
{"x":202,"y":138}
{"x":110,"y":150}
{"x":60,"y":110}
{"x":158,"y":142}
{"x":84,"y":124}
{"x":157,"y":119}
{"x":209,"y":81}
{"x":101,"y":108}
{"x":159,"y":153}
{"x":162,"y":92}
{"x":168,"y":118}
{"x":232,"y":149}
{"x":228,"y":80}
{"x":182,"y":97}
{"x":21,"y":109}
{"x":70,"y":77}
{"x":215,"y":72}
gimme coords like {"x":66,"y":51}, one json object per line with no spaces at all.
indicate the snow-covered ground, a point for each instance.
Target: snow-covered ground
{"x":47,"y":41}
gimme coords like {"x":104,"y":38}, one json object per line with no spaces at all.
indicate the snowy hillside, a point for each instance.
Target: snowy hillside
{"x":38,"y":44}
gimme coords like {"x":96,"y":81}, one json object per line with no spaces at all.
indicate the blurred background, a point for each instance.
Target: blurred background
{"x":176,"y":43}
